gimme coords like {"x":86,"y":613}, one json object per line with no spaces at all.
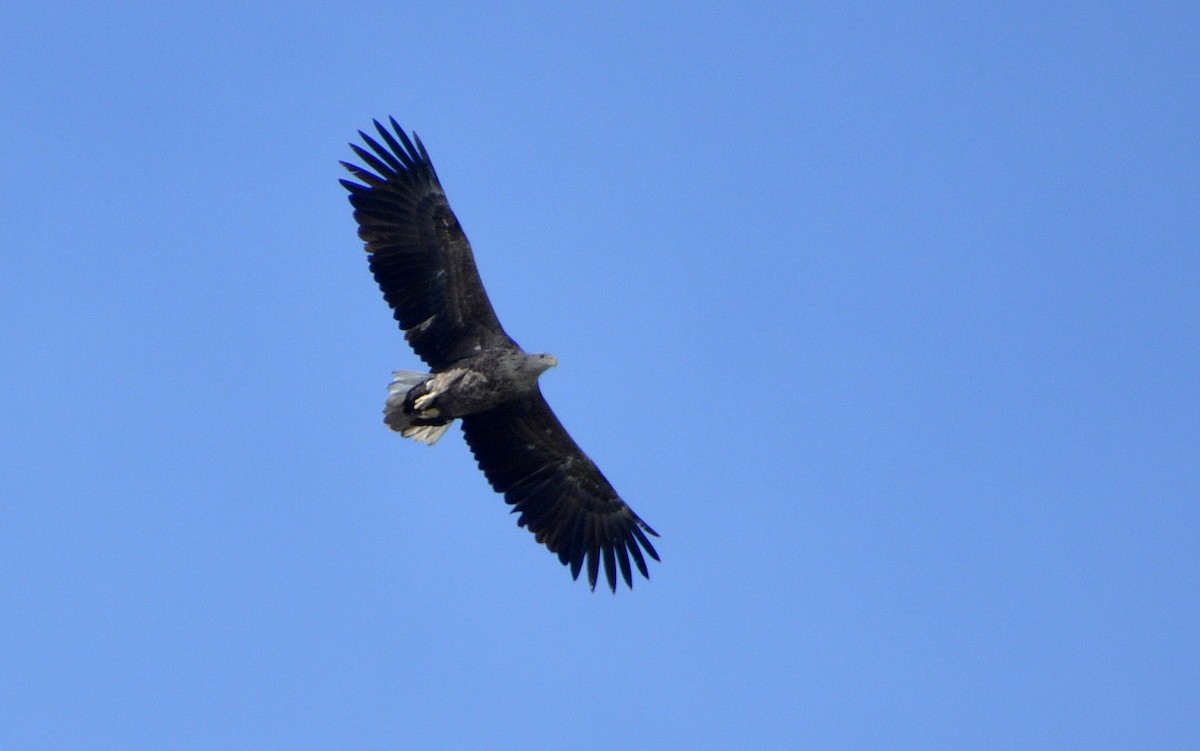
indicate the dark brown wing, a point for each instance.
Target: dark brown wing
{"x":418,"y":252}
{"x":562,"y":496}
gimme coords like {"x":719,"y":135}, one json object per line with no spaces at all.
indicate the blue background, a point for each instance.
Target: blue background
{"x":885,"y":316}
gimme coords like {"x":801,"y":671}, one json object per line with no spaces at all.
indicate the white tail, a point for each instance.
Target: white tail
{"x":400,"y":421}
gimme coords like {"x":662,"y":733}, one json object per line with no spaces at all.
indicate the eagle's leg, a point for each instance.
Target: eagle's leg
{"x":409,"y":408}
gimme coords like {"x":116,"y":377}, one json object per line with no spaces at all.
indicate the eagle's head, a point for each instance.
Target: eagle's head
{"x":539,"y":362}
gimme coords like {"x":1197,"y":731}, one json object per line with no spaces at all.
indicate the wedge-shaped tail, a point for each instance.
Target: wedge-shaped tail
{"x":427,"y":431}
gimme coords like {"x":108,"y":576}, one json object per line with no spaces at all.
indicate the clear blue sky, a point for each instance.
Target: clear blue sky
{"x":887,"y":317}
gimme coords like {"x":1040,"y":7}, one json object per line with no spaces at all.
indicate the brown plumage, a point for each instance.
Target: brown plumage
{"x":423,"y":263}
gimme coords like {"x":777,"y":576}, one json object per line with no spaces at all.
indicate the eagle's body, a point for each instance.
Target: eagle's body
{"x":426,"y":270}
{"x":422,"y":405}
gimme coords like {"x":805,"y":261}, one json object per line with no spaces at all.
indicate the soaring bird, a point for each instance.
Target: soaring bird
{"x":424,"y":266}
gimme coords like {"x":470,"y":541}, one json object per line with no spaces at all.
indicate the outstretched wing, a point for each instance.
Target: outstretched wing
{"x":418,"y":252}
{"x":562,"y":496}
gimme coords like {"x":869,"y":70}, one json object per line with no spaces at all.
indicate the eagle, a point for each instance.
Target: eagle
{"x":423,"y":264}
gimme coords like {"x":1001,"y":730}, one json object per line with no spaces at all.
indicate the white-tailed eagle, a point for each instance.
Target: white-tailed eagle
{"x":424,"y":266}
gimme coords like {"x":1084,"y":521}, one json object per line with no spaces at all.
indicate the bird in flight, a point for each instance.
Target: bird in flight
{"x":424,"y":266}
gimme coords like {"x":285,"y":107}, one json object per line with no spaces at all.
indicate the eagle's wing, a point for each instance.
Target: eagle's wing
{"x":562,"y":496}
{"x":418,"y":252}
